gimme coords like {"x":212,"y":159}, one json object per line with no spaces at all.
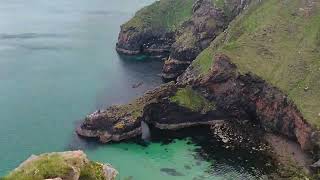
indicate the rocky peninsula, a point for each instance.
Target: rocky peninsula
{"x":233,"y":61}
{"x":71,"y":165}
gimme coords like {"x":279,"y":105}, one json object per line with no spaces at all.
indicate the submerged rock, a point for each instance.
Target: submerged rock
{"x":171,"y":172}
{"x":71,"y":165}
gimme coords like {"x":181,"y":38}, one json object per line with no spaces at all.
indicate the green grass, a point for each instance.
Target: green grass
{"x":187,"y":97}
{"x":204,"y":61}
{"x":46,"y":167}
{"x":55,"y":165}
{"x":92,"y":171}
{"x":278,"y":41}
{"x":167,"y":14}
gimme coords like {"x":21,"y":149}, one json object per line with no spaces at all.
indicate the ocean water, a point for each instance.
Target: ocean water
{"x":57,"y":64}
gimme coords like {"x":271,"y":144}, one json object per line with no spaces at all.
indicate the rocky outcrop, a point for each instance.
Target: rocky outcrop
{"x":208,"y":20}
{"x":156,"y":108}
{"x":184,"y":42}
{"x":152,"y":30}
{"x":122,"y":121}
{"x":150,"y":42}
{"x":72,"y":165}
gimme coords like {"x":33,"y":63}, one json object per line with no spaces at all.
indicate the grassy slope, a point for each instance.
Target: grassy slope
{"x":279,"y":40}
{"x":54,"y":165}
{"x":46,"y":167}
{"x":188,"y":98}
{"x":168,"y":14}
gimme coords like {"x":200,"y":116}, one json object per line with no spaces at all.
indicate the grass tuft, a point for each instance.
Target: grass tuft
{"x":48,"y":166}
{"x":92,"y":171}
{"x":192,"y":100}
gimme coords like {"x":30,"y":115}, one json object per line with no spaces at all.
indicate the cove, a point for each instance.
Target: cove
{"x":58,"y":63}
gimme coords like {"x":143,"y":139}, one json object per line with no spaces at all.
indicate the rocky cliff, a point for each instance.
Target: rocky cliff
{"x":152,"y":30}
{"x":261,"y":67}
{"x":72,"y":165}
{"x":187,"y":30}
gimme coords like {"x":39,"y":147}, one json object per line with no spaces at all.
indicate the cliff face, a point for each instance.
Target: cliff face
{"x":151,"y":30}
{"x":248,"y":96}
{"x":72,"y":165}
{"x":182,"y":38}
{"x":208,"y":20}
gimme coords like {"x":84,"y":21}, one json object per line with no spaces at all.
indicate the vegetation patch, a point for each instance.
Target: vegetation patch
{"x":278,"y":41}
{"x":189,"y":98}
{"x":92,"y":171}
{"x":167,"y":14}
{"x":48,"y":166}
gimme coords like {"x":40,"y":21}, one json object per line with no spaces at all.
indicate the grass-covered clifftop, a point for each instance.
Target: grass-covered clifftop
{"x":72,"y":165}
{"x":278,"y":41}
{"x":167,"y":14}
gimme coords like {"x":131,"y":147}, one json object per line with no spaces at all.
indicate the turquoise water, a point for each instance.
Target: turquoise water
{"x":58,"y":63}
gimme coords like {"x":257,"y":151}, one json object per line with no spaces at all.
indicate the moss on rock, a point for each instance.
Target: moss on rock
{"x":189,"y":98}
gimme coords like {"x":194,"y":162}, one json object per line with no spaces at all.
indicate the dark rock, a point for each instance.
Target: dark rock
{"x":137,"y":85}
{"x":171,"y":172}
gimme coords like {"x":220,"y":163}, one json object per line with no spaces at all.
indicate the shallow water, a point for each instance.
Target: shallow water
{"x":58,"y":63}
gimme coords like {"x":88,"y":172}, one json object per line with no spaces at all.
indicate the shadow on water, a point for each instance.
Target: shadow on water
{"x":212,"y":150}
{"x":77,"y":142}
{"x":223,"y":160}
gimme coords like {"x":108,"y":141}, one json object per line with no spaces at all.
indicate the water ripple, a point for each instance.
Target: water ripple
{"x":5,"y":36}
